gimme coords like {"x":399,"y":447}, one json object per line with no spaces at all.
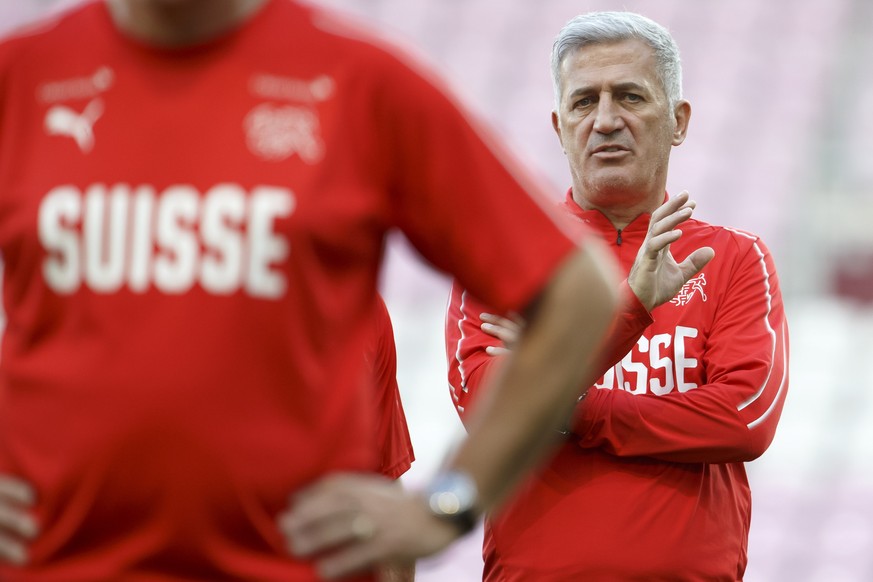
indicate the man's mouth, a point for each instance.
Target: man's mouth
{"x":610,"y":153}
{"x":609,"y":149}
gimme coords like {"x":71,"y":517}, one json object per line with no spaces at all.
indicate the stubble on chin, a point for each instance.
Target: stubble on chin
{"x":602,"y":191}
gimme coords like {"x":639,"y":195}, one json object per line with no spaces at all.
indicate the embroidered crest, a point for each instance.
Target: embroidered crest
{"x":689,"y":289}
{"x":275,"y":133}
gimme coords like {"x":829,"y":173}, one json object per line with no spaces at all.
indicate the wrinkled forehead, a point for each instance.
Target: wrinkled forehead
{"x":604,"y":64}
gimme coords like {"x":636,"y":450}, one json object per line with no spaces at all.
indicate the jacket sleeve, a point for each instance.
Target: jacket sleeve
{"x":469,"y":365}
{"x":731,"y":417}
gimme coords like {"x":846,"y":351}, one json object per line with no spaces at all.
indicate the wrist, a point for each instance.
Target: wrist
{"x":452,"y":497}
{"x":633,"y":297}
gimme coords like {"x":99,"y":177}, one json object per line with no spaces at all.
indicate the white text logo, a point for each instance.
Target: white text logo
{"x":274,"y":87}
{"x":77,"y":88}
{"x":61,"y":120}
{"x":106,"y":238}
{"x":666,"y":353}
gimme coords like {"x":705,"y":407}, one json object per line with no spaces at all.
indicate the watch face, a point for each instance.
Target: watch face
{"x":452,"y":496}
{"x":452,"y":493}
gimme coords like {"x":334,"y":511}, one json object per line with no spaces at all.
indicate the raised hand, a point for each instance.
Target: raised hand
{"x":655,"y":276}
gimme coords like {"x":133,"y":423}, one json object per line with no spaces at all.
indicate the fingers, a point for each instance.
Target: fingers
{"x":320,"y":518}
{"x":655,"y":276}
{"x":349,"y":560}
{"x":351,"y":523}
{"x":664,"y":221}
{"x":17,"y":521}
{"x":497,"y":351}
{"x":694,"y":262}
{"x":658,"y":243}
{"x":502,"y":328}
{"x":671,"y":214}
{"x":16,"y":491}
{"x":333,"y":526}
{"x":513,"y":325}
{"x":17,"y":526}
{"x":505,"y":335}
{"x":672,"y":205}
{"x":327,"y":531}
{"x":12,"y":551}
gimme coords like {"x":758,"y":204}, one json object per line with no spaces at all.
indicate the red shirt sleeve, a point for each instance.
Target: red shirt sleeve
{"x":468,"y":363}
{"x":395,"y":446}
{"x":732,"y":417}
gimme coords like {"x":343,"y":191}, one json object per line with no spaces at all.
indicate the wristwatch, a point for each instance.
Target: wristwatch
{"x":452,"y":496}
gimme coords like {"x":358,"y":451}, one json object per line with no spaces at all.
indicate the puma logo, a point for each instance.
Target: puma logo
{"x":61,"y":120}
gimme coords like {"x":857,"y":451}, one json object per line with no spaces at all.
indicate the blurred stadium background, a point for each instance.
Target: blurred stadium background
{"x":781,"y":143}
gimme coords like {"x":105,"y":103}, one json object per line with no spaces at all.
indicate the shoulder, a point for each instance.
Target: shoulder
{"x":347,"y":37}
{"x":727,"y":239}
{"x":365,"y":52}
{"x":737,"y":252}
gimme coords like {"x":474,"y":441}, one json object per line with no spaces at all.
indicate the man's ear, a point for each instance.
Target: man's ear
{"x":556,"y":125}
{"x":682,"y":113}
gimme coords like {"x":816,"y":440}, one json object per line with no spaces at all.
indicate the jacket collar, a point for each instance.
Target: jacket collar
{"x":597,"y":220}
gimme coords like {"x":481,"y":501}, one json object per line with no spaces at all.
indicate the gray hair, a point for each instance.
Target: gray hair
{"x":607,"y":27}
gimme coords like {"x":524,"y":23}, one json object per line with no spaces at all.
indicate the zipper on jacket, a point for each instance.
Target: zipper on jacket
{"x":618,"y":238}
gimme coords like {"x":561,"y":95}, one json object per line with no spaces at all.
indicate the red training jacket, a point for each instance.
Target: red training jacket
{"x":651,"y":483}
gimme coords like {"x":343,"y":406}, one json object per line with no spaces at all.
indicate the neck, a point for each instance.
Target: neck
{"x":622,"y":209}
{"x":177,"y":23}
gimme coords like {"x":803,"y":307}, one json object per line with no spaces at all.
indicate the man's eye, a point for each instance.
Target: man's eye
{"x":584,"y":102}
{"x":632,"y":97}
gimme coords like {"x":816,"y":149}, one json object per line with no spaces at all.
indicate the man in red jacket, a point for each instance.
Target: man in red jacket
{"x":650,"y":484}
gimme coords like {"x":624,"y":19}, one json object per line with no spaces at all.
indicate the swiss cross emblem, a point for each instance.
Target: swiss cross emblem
{"x":276,"y":132}
{"x":690,"y":289}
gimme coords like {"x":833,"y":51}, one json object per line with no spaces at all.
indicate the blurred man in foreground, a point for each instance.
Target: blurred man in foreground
{"x":650,"y":484}
{"x":195,"y":195}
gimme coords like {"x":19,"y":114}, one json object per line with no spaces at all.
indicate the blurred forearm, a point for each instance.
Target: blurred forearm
{"x":533,"y":395}
{"x":396,"y":573}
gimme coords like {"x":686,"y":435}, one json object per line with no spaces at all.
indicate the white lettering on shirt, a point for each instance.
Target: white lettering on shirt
{"x":652,"y":367}
{"x":683,"y":363}
{"x":106,"y":238}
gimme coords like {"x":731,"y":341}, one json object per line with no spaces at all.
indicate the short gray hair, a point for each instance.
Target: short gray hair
{"x":607,"y":27}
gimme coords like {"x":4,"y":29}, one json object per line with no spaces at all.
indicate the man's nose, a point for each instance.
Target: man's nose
{"x":608,"y":115}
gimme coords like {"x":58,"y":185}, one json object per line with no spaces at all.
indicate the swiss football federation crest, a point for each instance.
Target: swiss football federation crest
{"x":275,"y":133}
{"x":64,"y":121}
{"x":690,"y":289}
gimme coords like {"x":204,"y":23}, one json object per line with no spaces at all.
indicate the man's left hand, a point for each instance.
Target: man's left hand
{"x":352,"y":522}
{"x":506,"y":329}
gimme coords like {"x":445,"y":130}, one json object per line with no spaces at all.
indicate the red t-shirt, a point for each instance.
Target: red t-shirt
{"x":651,"y":483}
{"x":395,"y":446}
{"x":192,"y":240}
